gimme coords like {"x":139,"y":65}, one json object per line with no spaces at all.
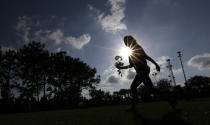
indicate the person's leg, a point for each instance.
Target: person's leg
{"x":136,"y":82}
{"x":148,"y":83}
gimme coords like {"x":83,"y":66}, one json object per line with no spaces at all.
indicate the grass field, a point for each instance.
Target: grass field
{"x":194,"y":112}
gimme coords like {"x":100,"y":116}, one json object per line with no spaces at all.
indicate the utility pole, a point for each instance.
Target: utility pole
{"x":171,"y":72}
{"x":180,"y":58}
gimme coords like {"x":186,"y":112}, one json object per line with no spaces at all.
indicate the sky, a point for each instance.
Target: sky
{"x":93,"y":31}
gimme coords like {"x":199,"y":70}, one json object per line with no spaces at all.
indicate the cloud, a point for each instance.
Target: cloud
{"x":130,"y":74}
{"x":78,"y":42}
{"x":177,"y":71}
{"x":200,"y":61}
{"x":164,"y":72}
{"x":114,"y":82}
{"x":112,"y":76}
{"x":111,"y":22}
{"x":109,"y":70}
{"x":110,"y":89}
{"x":161,"y":61}
{"x":25,"y":25}
{"x":113,"y":79}
{"x":58,"y":37}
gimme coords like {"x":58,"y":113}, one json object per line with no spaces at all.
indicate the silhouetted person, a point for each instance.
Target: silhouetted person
{"x":137,"y":59}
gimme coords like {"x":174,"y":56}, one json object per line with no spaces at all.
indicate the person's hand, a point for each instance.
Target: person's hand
{"x":118,"y":67}
{"x":158,"y":68}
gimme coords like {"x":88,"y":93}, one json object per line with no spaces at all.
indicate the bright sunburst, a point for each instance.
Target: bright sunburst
{"x":125,"y":52}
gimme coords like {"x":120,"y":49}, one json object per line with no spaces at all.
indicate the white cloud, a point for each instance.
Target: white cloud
{"x":108,"y":70}
{"x":200,"y":61}
{"x":114,"y":82}
{"x":112,"y":76}
{"x":161,"y":61}
{"x":113,"y":79}
{"x":25,"y":25}
{"x":79,"y":42}
{"x":57,"y":36}
{"x":41,"y":35}
{"x":108,"y":89}
{"x":111,"y":22}
{"x":164,"y":72}
{"x":130,"y":74}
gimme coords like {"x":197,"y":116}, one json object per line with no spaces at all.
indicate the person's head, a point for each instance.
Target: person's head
{"x":130,"y":41}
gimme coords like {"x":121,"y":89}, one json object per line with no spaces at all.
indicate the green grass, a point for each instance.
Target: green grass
{"x":196,"y":112}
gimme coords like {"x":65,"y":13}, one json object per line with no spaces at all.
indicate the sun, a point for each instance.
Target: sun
{"x":125,"y":52}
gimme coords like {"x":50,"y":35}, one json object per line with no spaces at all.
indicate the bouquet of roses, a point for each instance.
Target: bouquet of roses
{"x":119,"y":64}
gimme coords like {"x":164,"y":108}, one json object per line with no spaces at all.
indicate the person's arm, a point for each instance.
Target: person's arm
{"x":128,"y":66}
{"x":151,"y":60}
{"x":125,"y":67}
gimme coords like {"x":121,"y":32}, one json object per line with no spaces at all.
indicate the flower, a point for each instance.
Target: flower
{"x":119,"y":64}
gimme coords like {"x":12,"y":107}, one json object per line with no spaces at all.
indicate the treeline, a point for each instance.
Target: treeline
{"x":32,"y":79}
{"x":197,"y":87}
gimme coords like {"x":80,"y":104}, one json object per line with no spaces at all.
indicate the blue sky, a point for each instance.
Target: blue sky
{"x":93,"y":31}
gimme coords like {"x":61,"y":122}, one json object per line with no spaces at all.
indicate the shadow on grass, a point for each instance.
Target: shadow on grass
{"x":171,"y":118}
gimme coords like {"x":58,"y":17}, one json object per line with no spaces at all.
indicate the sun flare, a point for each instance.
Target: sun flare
{"x":125,"y":52}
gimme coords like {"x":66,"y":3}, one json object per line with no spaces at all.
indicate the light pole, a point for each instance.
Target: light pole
{"x":180,"y":58}
{"x":171,"y":72}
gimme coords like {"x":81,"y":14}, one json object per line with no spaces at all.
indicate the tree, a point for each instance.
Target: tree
{"x":98,"y":97}
{"x":31,"y":58}
{"x":8,"y":72}
{"x":164,"y":85}
{"x":124,"y":93}
{"x":69,"y":76}
{"x":57,"y":75}
{"x":45,"y":69}
{"x":32,"y":69}
{"x":1,"y":67}
{"x":81,"y":77}
{"x":199,"y":85}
